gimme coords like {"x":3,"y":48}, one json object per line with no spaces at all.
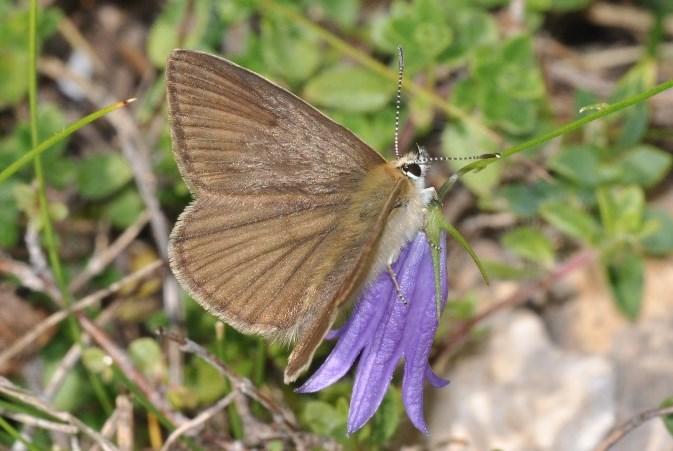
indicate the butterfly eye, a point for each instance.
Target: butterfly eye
{"x":413,"y":169}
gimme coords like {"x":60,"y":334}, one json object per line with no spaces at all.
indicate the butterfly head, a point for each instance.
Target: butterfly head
{"x":415,"y":165}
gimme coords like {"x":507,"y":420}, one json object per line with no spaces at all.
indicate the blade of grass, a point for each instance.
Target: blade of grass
{"x":4,"y":424}
{"x":564,"y":129}
{"x":49,"y":235}
{"x":17,"y":165}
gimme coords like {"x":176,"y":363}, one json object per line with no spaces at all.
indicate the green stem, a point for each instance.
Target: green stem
{"x":567,"y":128}
{"x":375,"y":66}
{"x":4,"y":424}
{"x":49,"y":235}
{"x":56,"y":137}
{"x":235,"y":422}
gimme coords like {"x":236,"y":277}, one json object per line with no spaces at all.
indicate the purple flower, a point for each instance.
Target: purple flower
{"x":382,"y":330}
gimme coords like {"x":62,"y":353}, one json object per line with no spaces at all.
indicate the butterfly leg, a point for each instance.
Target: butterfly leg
{"x":398,"y":288}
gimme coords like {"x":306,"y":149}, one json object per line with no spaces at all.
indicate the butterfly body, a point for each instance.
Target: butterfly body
{"x":292,"y":213}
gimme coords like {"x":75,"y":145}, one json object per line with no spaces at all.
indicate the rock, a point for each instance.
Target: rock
{"x":523,"y":393}
{"x":644,"y":361}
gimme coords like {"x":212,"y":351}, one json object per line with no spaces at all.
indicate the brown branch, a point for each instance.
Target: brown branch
{"x":37,"y":258}
{"x":20,"y":344}
{"x":197,"y":421}
{"x":124,"y":423}
{"x":41,"y":423}
{"x":124,"y":363}
{"x":243,"y":385}
{"x":620,"y":431}
{"x":27,"y":276}
{"x":637,"y":20}
{"x":7,"y":388}
{"x":102,"y":259}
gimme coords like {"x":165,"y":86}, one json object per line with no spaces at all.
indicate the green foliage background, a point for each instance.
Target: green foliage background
{"x":596,"y":195}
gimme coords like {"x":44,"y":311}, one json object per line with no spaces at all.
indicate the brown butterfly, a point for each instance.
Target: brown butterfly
{"x":292,"y":213}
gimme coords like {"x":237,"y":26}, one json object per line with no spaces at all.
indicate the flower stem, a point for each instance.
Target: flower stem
{"x":567,"y":128}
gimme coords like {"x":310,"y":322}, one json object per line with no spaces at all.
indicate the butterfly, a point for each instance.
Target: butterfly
{"x":292,"y":213}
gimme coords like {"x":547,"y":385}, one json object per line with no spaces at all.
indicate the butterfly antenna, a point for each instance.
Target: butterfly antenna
{"x":465,"y":169}
{"x":483,"y":156}
{"x":398,"y":99}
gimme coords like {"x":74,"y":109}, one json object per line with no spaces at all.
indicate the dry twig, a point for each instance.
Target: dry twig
{"x":100,"y":260}
{"x":124,"y":363}
{"x":8,"y":389}
{"x":197,"y":421}
{"x":27,"y":276}
{"x":20,"y":344}
{"x":620,"y":431}
{"x":40,"y":422}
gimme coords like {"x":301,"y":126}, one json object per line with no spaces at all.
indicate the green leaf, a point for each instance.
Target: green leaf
{"x":146,"y":354}
{"x":163,"y":35}
{"x":102,"y":174}
{"x":509,"y":84}
{"x":668,"y":419}
{"x":507,"y":271}
{"x":13,"y":51}
{"x":387,"y":418}
{"x":531,"y":244}
{"x":98,"y":362}
{"x":621,"y":210}
{"x":634,"y":120}
{"x":344,"y":12}
{"x":288,"y":52}
{"x":9,"y":217}
{"x":524,"y":199}
{"x":625,"y":275}
{"x":473,"y":28}
{"x":420,"y":27}
{"x":349,"y":88}
{"x":125,"y":208}
{"x":435,"y":223}
{"x":60,"y":171}
{"x":324,"y":419}
{"x":570,"y":220}
{"x":462,"y":140}
{"x":235,"y":11}
{"x":659,"y":240}
{"x":205,"y":382}
{"x":578,"y":164}
{"x":373,"y":128}
{"x":645,"y":165}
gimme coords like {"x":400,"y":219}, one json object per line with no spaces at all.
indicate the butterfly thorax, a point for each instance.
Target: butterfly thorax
{"x":408,"y":215}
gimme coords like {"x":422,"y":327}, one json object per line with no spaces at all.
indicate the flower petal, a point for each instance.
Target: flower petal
{"x":380,"y":357}
{"x":419,"y":334}
{"x":355,"y":334}
{"x":435,"y":381}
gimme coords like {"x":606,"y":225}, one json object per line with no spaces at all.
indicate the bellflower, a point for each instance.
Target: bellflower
{"x":382,"y":330}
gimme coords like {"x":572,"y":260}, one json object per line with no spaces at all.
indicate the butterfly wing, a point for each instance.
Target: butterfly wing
{"x":236,"y":133}
{"x":284,"y":221}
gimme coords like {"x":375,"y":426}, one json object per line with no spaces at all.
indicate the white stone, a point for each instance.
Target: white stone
{"x":522,"y":393}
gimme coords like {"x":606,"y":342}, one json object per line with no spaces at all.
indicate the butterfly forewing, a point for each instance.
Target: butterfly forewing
{"x":280,"y":232}
{"x":237,"y":133}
